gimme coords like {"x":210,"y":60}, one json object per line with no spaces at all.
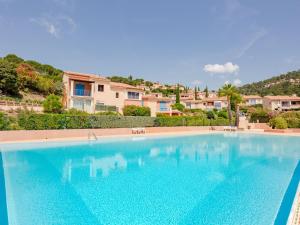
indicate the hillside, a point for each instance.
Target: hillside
{"x":27,"y":79}
{"x":285,"y":84}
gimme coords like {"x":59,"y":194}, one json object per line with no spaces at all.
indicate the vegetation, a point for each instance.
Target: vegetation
{"x":32,"y":121}
{"x":206,"y":92}
{"x":229,"y":91}
{"x":278,"y":122}
{"x":285,"y":84}
{"x":9,"y":83}
{"x":236,"y":100}
{"x":132,"y":110}
{"x":53,"y":104}
{"x":129,"y":80}
{"x":4,"y":121}
{"x":259,"y":115}
{"x":178,"y":106}
{"x":18,"y":75}
{"x":189,"y":121}
{"x":177,"y":95}
{"x":165,"y":92}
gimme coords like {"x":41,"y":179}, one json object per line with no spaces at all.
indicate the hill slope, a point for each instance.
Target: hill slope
{"x":20,"y":78}
{"x":285,"y":84}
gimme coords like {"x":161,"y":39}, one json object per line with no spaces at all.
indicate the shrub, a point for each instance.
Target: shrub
{"x":132,"y":110}
{"x":223,"y":114}
{"x":292,"y":119}
{"x":53,"y":104}
{"x":178,"y":106}
{"x":279,"y":123}
{"x":4,"y":121}
{"x":261,"y":115}
{"x":9,"y":82}
{"x":210,"y":115}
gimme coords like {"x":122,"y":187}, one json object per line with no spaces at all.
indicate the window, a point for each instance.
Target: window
{"x":133,"y":95}
{"x":100,"y":88}
{"x":163,"y":106}
{"x":117,"y":94}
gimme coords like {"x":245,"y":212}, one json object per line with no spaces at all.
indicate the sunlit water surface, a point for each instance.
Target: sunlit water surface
{"x":204,"y":179}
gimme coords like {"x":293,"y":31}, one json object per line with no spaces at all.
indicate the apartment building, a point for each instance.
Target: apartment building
{"x":207,"y":103}
{"x":159,"y":104}
{"x":93,"y":93}
{"x":252,"y":100}
{"x":281,"y":103}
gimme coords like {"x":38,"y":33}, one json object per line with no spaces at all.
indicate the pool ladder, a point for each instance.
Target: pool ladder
{"x":92,"y":134}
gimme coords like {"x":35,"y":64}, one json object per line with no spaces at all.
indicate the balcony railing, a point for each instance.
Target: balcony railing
{"x":163,"y":109}
{"x":82,"y":92}
{"x":106,"y":108}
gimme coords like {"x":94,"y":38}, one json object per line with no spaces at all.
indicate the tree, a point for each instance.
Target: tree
{"x":178,"y":106}
{"x":12,"y":58}
{"x":177,"y":94}
{"x":237,"y":99}
{"x":228,"y":91}
{"x":9,"y":82}
{"x":206,"y":92}
{"x":53,"y":104}
{"x":196,"y":93}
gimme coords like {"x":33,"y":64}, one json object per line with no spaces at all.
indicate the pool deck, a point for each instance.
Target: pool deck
{"x":83,"y":134}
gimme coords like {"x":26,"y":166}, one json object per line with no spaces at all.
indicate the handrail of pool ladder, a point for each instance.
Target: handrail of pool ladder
{"x":92,"y":134}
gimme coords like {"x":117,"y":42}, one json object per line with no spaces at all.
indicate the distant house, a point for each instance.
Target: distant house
{"x":252,"y":100}
{"x":207,"y":103}
{"x":158,"y":104}
{"x":281,"y":103}
{"x":93,"y":93}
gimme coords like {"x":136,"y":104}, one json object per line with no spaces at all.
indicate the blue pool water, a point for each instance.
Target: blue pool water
{"x":203,"y":179}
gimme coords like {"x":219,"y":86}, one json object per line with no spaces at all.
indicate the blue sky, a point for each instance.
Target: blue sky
{"x":194,"y":42}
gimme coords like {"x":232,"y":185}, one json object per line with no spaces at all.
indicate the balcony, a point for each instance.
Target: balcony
{"x":164,"y":109}
{"x":106,"y":108}
{"x":82,"y":92}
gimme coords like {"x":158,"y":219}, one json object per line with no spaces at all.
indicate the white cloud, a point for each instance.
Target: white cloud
{"x":225,"y":68}
{"x":49,"y":26}
{"x":196,"y":82}
{"x":55,"y":25}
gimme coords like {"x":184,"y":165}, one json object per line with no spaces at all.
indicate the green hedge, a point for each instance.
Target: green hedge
{"x":32,"y":121}
{"x":189,"y":121}
{"x":61,"y":121}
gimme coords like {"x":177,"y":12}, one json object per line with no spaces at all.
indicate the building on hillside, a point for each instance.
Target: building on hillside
{"x":207,"y":103}
{"x":93,"y":93}
{"x":281,"y":103}
{"x":252,"y":100}
{"x":159,"y":105}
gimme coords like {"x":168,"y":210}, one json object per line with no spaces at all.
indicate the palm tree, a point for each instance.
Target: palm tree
{"x":237,"y":99}
{"x":228,"y":91}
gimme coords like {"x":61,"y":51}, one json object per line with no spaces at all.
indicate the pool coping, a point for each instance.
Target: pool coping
{"x":294,"y":217}
{"x":286,"y":211}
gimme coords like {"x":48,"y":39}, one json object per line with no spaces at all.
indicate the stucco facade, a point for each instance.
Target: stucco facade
{"x":93,"y":93}
{"x":281,"y":103}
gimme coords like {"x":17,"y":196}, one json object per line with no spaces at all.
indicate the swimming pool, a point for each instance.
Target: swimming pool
{"x":201,"y":179}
